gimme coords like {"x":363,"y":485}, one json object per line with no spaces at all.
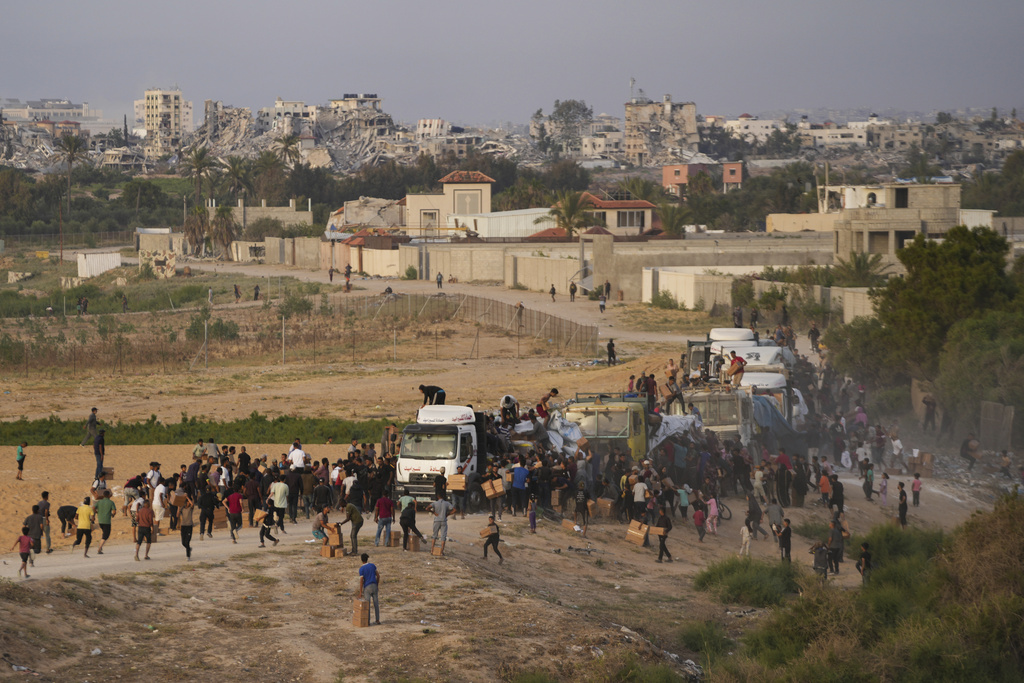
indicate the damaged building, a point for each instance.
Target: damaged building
{"x":657,"y":132}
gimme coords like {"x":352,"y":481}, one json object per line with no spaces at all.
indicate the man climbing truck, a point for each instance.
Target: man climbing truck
{"x":442,"y":438}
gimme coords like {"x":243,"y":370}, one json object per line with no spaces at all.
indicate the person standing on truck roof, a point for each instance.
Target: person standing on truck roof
{"x":736,"y":368}
{"x":432,"y":395}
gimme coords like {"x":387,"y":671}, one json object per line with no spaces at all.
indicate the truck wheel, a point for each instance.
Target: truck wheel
{"x":476,"y":500}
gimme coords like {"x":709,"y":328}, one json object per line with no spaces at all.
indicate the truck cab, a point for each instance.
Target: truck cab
{"x":446,"y":437}
{"x":611,"y":419}
{"x":727,"y":411}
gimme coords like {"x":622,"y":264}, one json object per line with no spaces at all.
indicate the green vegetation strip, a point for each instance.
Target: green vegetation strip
{"x":256,"y":428}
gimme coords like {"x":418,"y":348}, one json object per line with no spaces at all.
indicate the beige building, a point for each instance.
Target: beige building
{"x":164,"y":115}
{"x":464,"y":192}
{"x":655,"y":128}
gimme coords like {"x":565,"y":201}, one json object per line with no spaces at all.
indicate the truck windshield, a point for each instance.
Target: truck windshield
{"x":428,"y":446}
{"x":595,"y":422}
{"x":716,"y":410}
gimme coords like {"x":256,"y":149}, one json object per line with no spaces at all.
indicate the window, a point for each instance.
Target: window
{"x":631,"y":219}
{"x":902,"y":197}
{"x":732,"y":171}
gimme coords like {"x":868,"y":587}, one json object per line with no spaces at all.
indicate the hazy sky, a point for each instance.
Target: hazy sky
{"x":486,"y":61}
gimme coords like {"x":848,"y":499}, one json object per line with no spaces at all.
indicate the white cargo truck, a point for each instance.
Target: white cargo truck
{"x":445,"y":437}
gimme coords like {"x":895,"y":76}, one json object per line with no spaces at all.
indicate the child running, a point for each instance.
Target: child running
{"x":24,"y":545}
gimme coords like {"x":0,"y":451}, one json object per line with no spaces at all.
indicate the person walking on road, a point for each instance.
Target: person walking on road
{"x":86,"y":516}
{"x":369,"y":583}
{"x":492,"y":539}
{"x":442,"y":509}
{"x":185,"y":523}
{"x":664,"y":523}
{"x":145,"y":531}
{"x":440,"y":281}
{"x":552,"y":292}
{"x":91,"y":428}
{"x":106,"y":509}
{"x":24,"y":546}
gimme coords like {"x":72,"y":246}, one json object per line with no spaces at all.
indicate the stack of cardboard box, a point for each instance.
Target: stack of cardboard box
{"x":220,"y":518}
{"x":494,"y":488}
{"x":360,"y":613}
{"x":457,"y":482}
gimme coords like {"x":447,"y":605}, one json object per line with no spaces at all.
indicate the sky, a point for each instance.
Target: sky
{"x":486,"y":62}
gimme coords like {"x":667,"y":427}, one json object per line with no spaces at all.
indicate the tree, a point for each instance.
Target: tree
{"x":568,"y":120}
{"x":222,"y":229}
{"x":674,"y":217}
{"x":860,"y":270}
{"x":288,"y":149}
{"x":961,"y":277}
{"x":918,"y":166}
{"x":198,"y":164}
{"x":195,"y":228}
{"x":71,"y":149}
{"x":268,"y":178}
{"x":238,"y":176}
{"x":527,"y":193}
{"x":643,"y":188}
{"x":570,"y":212}
{"x":943,"y":118}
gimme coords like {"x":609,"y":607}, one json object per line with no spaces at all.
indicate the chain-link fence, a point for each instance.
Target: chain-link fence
{"x":564,"y":336}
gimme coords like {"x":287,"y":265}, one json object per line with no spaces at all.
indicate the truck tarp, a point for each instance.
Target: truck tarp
{"x":775,"y":431}
{"x":672,"y":425}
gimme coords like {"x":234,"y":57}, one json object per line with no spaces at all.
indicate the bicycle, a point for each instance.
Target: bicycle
{"x":724,"y":513}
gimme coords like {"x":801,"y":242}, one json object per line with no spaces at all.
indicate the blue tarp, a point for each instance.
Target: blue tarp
{"x":776,"y":432}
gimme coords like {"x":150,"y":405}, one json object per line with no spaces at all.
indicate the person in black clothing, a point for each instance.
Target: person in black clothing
{"x":66,"y":515}
{"x":293,"y":478}
{"x":99,"y":449}
{"x":664,"y":523}
{"x":864,"y":563}
{"x":835,"y":546}
{"x":322,"y":495}
{"x":836,"y":500}
{"x":581,"y":514}
{"x":407,"y":520}
{"x":208,"y":501}
{"x":785,"y":535}
{"x":966,"y":451}
{"x":611,"y":352}
{"x":432,"y":395}
{"x":492,"y":539}
{"x":572,"y":292}
{"x":903,"y":506}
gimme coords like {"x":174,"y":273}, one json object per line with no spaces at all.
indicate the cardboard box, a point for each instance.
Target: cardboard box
{"x":109,"y":471}
{"x":220,"y":525}
{"x":582,"y":444}
{"x":414,"y":544}
{"x":436,"y":551}
{"x":568,"y":525}
{"x":508,"y":476}
{"x":361,"y":613}
{"x":636,"y":533}
{"x":326,"y":551}
{"x":457,"y":482}
{"x":592,"y":508}
{"x":179,"y":499}
{"x":658,"y":531}
{"x":494,"y":488}
{"x":259,"y":516}
{"x":606,"y":506}
{"x":395,"y":540}
{"x":485,"y":532}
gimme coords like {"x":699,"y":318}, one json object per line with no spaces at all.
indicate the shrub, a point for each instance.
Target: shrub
{"x":410,"y":273}
{"x":664,"y":299}
{"x":747,"y":581}
{"x":705,"y":637}
{"x":295,"y":304}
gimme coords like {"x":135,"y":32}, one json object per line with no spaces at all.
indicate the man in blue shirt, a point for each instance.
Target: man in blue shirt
{"x":520,"y":475}
{"x":369,"y":580}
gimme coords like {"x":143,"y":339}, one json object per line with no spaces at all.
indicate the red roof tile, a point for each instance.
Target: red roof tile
{"x":466,"y":177}
{"x":598,"y":203}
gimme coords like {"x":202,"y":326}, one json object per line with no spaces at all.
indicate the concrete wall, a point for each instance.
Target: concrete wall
{"x":242,"y":252}
{"x":797,"y":222}
{"x":540,"y":272}
{"x":301,"y":252}
{"x":157,"y":242}
{"x":91,"y":265}
{"x":854,"y":302}
{"x":288,"y":215}
{"x":383,"y":262}
{"x":688,"y":288}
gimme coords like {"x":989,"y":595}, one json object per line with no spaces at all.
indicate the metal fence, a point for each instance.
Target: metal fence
{"x":72,"y":238}
{"x":564,"y":336}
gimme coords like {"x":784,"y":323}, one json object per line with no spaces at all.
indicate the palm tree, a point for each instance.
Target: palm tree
{"x":239,"y":176}
{"x":197,"y":165}
{"x":195,"y":228}
{"x":673,"y":218}
{"x":570,"y":212}
{"x":222,"y":229}
{"x":288,"y":149}
{"x":72,"y":150}
{"x":643,"y":188}
{"x":860,"y":270}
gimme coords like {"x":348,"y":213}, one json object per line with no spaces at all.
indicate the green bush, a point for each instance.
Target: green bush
{"x":890,"y":402}
{"x":750,"y":582}
{"x":295,"y":304}
{"x":664,"y":299}
{"x":410,"y":273}
{"x":705,"y":637}
{"x":742,"y":292}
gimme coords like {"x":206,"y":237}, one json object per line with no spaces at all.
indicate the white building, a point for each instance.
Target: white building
{"x":500,"y":224}
{"x":432,"y":128}
{"x":269,"y":118}
{"x":751,"y":128}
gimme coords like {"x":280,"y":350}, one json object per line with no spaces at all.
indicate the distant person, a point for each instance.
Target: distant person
{"x":256,"y":293}
{"x":785,"y":535}
{"x":607,"y":289}
{"x":91,"y":428}
{"x":601,"y":302}
{"x":611,"y":352}
{"x":492,"y":539}
{"x":85,"y":516}
{"x":99,"y":451}
{"x":432,"y":395}
{"x":369,"y":583}
{"x":24,"y":545}
{"x":552,"y":292}
{"x":105,"y":510}
{"x":144,"y":517}
{"x":238,"y":294}
{"x":440,"y":281}
{"x":20,"y":459}
{"x":915,"y":487}
{"x":572,"y":292}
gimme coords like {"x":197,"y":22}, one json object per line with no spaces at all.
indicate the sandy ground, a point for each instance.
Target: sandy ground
{"x":240,"y":613}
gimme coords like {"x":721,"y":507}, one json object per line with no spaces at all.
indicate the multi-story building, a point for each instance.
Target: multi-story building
{"x":652,"y":128}
{"x":269,"y":118}
{"x":751,"y":128}
{"x":352,"y":101}
{"x":432,"y":128}
{"x":164,"y":114}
